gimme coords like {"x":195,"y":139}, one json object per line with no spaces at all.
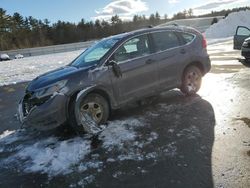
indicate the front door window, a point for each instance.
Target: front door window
{"x":133,"y":48}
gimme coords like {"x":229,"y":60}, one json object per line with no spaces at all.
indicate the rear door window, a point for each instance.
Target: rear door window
{"x":165,"y":40}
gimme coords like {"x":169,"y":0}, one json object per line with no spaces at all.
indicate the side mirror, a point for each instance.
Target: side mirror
{"x":111,"y":63}
{"x":115,"y":67}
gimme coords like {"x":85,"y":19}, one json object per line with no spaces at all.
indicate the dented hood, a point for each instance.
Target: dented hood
{"x":51,"y":77}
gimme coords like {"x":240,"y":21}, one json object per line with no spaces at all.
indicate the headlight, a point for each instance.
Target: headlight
{"x":245,"y":44}
{"x":51,"y":89}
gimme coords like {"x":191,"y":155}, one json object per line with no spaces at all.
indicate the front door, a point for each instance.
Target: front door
{"x":242,"y":33}
{"x":138,"y":69}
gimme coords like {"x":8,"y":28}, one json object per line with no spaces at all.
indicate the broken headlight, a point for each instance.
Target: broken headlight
{"x":50,"y":89}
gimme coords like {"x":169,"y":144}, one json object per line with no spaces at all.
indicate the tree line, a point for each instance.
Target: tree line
{"x":18,"y":32}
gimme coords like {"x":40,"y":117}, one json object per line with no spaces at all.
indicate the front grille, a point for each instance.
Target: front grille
{"x":30,"y":101}
{"x":27,"y":104}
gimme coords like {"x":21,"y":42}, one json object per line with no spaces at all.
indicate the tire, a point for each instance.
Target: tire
{"x":95,"y":106}
{"x":191,"y":80}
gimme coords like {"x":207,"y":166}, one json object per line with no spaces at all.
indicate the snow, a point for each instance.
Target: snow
{"x":121,"y":141}
{"x":116,"y":135}
{"x":221,"y":45}
{"x":211,"y":41}
{"x":53,"y":156}
{"x":5,"y":134}
{"x":227,"y":27}
{"x":26,"y":69}
{"x":57,"y":159}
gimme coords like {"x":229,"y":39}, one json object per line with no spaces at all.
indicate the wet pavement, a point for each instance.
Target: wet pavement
{"x":169,"y":141}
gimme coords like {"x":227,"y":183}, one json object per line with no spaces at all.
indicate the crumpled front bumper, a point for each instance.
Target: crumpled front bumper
{"x":46,"y":116}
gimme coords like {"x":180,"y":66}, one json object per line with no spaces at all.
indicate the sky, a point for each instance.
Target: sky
{"x":75,"y":10}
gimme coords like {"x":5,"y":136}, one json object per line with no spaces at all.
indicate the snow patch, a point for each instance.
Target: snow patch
{"x":90,"y":165}
{"x":190,"y":88}
{"x":211,"y":41}
{"x":153,"y":136}
{"x":227,"y":27}
{"x":54,"y":157}
{"x":5,"y":134}
{"x":191,"y":133}
{"x":85,"y":181}
{"x":119,"y":132}
{"x":26,"y":69}
{"x":170,"y":150}
{"x":51,"y":156}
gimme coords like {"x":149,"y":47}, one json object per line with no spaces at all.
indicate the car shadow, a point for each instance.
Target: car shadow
{"x":185,"y":126}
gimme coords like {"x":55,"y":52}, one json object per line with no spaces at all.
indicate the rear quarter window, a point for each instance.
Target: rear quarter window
{"x":187,"y":37}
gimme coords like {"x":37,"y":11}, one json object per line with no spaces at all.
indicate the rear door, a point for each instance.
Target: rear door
{"x":241,"y":34}
{"x":169,"y":56}
{"x":138,"y":68}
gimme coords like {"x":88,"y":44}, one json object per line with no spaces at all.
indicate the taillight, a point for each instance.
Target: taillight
{"x":204,"y":41}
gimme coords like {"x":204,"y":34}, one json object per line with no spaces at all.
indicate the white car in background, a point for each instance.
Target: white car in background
{"x":4,"y":57}
{"x":19,"y":56}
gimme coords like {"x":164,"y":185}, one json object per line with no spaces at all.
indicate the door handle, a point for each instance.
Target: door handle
{"x":149,"y":61}
{"x":183,"y":51}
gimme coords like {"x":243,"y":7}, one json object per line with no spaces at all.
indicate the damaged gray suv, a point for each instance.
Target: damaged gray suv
{"x":116,"y":70}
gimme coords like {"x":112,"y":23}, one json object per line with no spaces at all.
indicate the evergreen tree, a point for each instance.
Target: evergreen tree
{"x":17,"y":31}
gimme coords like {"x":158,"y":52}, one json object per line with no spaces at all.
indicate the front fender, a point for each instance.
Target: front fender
{"x":98,"y":89}
{"x":79,"y":97}
{"x":82,"y":93}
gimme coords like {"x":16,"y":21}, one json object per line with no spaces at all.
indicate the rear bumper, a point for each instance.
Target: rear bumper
{"x":49,"y":115}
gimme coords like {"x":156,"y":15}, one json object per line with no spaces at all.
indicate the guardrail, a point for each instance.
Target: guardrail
{"x":48,"y":49}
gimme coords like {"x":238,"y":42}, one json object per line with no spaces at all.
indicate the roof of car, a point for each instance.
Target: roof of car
{"x":152,"y":29}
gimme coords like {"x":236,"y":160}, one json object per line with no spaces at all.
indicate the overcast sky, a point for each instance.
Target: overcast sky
{"x":75,"y":10}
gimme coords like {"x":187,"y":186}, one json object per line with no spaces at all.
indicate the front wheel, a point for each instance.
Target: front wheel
{"x":191,"y":80}
{"x":92,"y":111}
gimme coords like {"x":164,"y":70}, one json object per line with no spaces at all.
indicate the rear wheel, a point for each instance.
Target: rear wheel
{"x":191,"y":80}
{"x":93,"y":110}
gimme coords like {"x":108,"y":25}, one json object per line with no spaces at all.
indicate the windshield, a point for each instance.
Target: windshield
{"x":93,"y":54}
